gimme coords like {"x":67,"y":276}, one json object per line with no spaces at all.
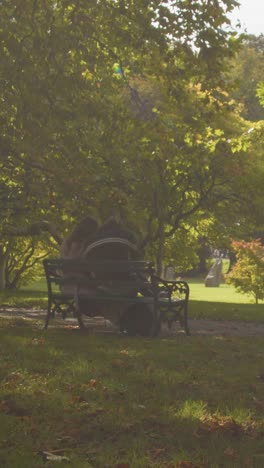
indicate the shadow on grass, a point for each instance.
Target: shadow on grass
{"x":107,"y":400}
{"x":226,"y":311}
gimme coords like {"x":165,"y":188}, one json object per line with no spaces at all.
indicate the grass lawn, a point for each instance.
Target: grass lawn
{"x":222,"y":303}
{"x":108,"y":401}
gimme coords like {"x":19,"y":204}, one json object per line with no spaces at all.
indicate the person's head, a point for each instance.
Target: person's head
{"x":110,"y":228}
{"x":84,"y":230}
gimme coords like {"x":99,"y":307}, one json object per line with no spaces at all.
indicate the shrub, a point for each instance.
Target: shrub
{"x":247,"y":275}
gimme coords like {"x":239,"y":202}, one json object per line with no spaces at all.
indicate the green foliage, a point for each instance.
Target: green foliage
{"x":247,"y":275}
{"x":248,"y":70}
{"x":260,"y":93}
{"x":24,"y":263}
{"x":119,"y":107}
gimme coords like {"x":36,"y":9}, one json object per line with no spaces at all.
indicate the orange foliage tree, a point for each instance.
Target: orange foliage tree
{"x":247,"y":275}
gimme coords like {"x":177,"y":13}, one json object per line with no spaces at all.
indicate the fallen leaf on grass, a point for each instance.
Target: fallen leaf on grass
{"x":93,"y":382}
{"x":156,"y":453}
{"x":230,"y":452}
{"x":122,"y":465}
{"x":219,"y":424}
{"x":49,"y":456}
{"x":15,"y":376}
{"x":65,"y":438}
{"x":38,"y":341}
{"x":71,"y":327}
{"x":124,"y":352}
{"x":187,"y":464}
{"x":135,"y":406}
{"x":227,"y":425}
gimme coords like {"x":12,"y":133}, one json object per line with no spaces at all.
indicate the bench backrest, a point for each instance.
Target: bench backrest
{"x":121,"y":274}
{"x":112,"y":248}
{"x":68,"y":265}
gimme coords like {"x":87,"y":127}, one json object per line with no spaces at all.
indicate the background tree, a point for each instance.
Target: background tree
{"x":247,"y":275}
{"x":248,"y":70}
{"x":260,"y":92}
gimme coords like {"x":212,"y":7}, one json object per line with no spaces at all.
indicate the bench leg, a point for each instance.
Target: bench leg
{"x":78,"y":313}
{"x":49,"y":314}
{"x":80,"y":321}
{"x":179,"y":313}
{"x":156,"y":326}
{"x":185,"y":320}
{"x":47,"y":320}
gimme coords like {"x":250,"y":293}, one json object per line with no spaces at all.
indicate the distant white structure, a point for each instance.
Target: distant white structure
{"x":214,"y":276}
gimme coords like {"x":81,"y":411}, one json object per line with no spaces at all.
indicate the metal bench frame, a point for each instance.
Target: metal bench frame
{"x":169,"y":299}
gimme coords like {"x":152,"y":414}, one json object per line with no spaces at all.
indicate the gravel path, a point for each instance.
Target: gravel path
{"x":197,"y":327}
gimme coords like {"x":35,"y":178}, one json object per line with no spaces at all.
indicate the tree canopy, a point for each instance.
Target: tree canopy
{"x":119,"y":107}
{"x":248,"y":70}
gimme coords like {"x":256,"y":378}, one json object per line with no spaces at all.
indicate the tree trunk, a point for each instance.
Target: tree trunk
{"x":160,"y":252}
{"x":203,"y":253}
{"x":232,"y":261}
{"x":3,"y":262}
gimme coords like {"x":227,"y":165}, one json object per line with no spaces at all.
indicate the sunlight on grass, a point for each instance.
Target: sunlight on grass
{"x":79,"y":369}
{"x":224,"y":293}
{"x":192,"y":409}
{"x":239,"y":414}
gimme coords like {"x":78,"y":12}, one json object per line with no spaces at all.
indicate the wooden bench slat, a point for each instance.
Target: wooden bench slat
{"x":82,"y":266}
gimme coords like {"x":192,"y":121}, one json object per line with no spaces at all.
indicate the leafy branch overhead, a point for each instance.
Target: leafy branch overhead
{"x":35,"y":229}
{"x":121,"y":108}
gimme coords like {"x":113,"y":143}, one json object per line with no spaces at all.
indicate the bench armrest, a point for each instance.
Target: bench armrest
{"x":170,"y":287}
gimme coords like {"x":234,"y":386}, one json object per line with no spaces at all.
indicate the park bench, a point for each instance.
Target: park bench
{"x":130,"y":289}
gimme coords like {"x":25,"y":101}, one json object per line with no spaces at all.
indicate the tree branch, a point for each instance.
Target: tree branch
{"x":35,"y":229}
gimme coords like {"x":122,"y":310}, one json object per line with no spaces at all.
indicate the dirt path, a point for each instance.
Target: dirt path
{"x":197,"y":327}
